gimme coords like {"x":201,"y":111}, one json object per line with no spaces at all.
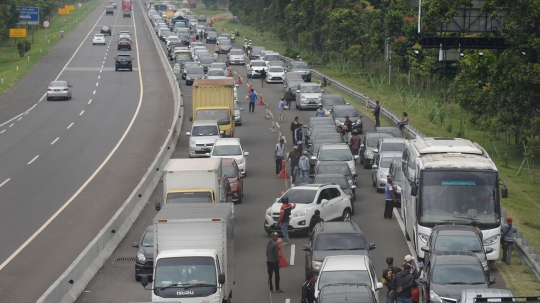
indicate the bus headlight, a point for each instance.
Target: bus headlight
{"x":491,"y":241}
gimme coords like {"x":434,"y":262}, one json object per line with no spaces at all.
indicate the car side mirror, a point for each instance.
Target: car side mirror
{"x":222,"y":132}
{"x":306,"y":247}
{"x":134,"y":244}
{"x":347,"y":103}
{"x":376,"y":151}
{"x":362,"y":145}
{"x":144,"y":280}
{"x":374,"y":166}
{"x":188,"y":134}
{"x":379,"y":285}
{"x":322,"y":90}
{"x":372,"y":246}
{"x":356,"y":157}
{"x":324,"y":201}
{"x":221,"y":278}
{"x":246,"y":154}
{"x":423,"y":280}
{"x":158,"y":206}
{"x":504,"y":192}
{"x":353,"y":186}
{"x":488,"y":250}
{"x":355,"y":175}
{"x":313,"y":158}
{"x":425,"y":249}
{"x":241,"y":108}
{"x":492,"y":280}
{"x":190,"y":118}
{"x":414,"y":189}
{"x":297,"y":91}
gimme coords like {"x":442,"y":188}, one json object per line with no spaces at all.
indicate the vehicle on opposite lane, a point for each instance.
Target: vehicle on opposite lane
{"x":99,"y":39}
{"x":60,"y":90}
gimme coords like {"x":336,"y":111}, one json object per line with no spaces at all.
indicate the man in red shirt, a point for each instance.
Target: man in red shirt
{"x":285,"y":217}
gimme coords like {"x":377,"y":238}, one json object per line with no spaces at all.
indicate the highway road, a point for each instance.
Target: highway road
{"x":115,"y":281}
{"x":67,"y":166}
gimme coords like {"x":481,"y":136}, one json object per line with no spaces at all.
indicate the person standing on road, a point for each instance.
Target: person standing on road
{"x":272,"y":261}
{"x":303,"y":165}
{"x":279,"y":154}
{"x":61,"y":33}
{"x":346,"y":129}
{"x":507,"y":239}
{"x":281,"y":107}
{"x":355,"y":143}
{"x":298,"y":134}
{"x":285,"y":217}
{"x":216,"y":56}
{"x":294,"y":157}
{"x":308,"y":289}
{"x":376,"y":113}
{"x":404,"y":283}
{"x":250,"y":74}
{"x":316,"y":219}
{"x":263,"y":76}
{"x":320,"y":111}
{"x":228,"y":62}
{"x":388,"y":279}
{"x":414,"y":271}
{"x":294,"y":126}
{"x":289,"y":97}
{"x":390,"y":198}
{"x":252,"y":98}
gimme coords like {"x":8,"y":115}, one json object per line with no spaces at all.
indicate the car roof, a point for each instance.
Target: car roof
{"x":450,"y":257}
{"x":323,"y":126}
{"x":333,"y":163}
{"x":338,"y":227}
{"x":318,"y":118}
{"x":335,"y":146}
{"x":227,"y":141}
{"x":454,"y":229}
{"x":392,"y":140}
{"x":227,"y":161}
{"x":380,"y":135}
{"x":309,"y":84}
{"x":204,"y":122}
{"x":341,"y":292}
{"x":345,"y":263}
{"x":324,"y":177}
{"x":260,"y":61}
{"x":391,"y":154}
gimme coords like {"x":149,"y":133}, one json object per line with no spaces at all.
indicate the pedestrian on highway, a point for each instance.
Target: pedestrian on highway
{"x":388,"y":279}
{"x":281,"y":107}
{"x":507,"y":239}
{"x":298,"y":134}
{"x":416,"y":272}
{"x":197,"y":37}
{"x":294,"y":126}
{"x":390,"y":198}
{"x":404,"y":121}
{"x":320,"y":111}
{"x":263,"y":76}
{"x":376,"y":113}
{"x":346,"y":129}
{"x":250,"y":74}
{"x":404,"y":283}
{"x":279,"y":154}
{"x":355,"y":143}
{"x":308,"y":289}
{"x":216,"y":56}
{"x":289,"y":97}
{"x":294,"y":158}
{"x":303,"y":166}
{"x":252,"y":98}
{"x":285,"y":217}
{"x":324,"y":81}
{"x":316,"y":219}
{"x":228,"y":62}
{"x":272,"y":261}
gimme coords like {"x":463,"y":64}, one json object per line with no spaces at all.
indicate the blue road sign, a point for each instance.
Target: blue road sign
{"x":28,"y":15}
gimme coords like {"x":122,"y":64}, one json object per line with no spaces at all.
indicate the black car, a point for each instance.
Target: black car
{"x":202,"y":18}
{"x":340,"y":111}
{"x":206,"y":61}
{"x":124,"y":43}
{"x":211,"y":37}
{"x":447,"y":273}
{"x":303,"y":68}
{"x":292,"y":83}
{"x":225,"y":46}
{"x":328,"y":101}
{"x":319,"y":129}
{"x":106,"y":30}
{"x":314,"y":150}
{"x":341,"y":292}
{"x":256,"y":52}
{"x":126,"y":13}
{"x":393,"y":131}
{"x":186,"y":66}
{"x":336,"y":136}
{"x":124,"y":61}
{"x":145,"y":255}
{"x":208,"y":30}
{"x":194,"y":73}
{"x":368,"y":145}
{"x":334,"y":239}
{"x":339,"y":179}
{"x":336,"y":167}
{"x":455,"y":238}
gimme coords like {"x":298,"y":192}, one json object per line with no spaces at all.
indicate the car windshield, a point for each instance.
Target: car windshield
{"x":57,"y":83}
{"x":394,"y":132}
{"x":206,"y":60}
{"x":342,"y":182}
{"x":257,"y":64}
{"x":313,"y":122}
{"x":196,"y":70}
{"x":229,"y":171}
{"x":334,"y":101}
{"x":295,"y":76}
{"x":311,"y":89}
{"x":184,"y":271}
{"x":330,"y":154}
{"x":211,"y":35}
{"x":236,"y":53}
{"x":193,"y":44}
{"x":193,"y":197}
{"x":226,"y":150}
{"x":458,"y":274}
{"x":188,"y":65}
{"x":173,"y":39}
{"x":221,"y":115}
{"x":224,"y":42}
{"x":470,"y":243}
{"x":300,"y":65}
{"x":98,"y":36}
{"x":392,"y":147}
{"x":218,"y":72}
{"x":218,"y":65}
{"x":345,"y":276}
{"x":342,"y":112}
{"x":387,"y":161}
{"x":205,"y":130}
{"x":275,"y":69}
{"x":272,"y":58}
{"x":334,"y":169}
{"x":327,"y":136}
{"x":148,"y":239}
{"x":183,"y":37}
{"x":343,"y":241}
{"x":183,"y":57}
{"x":301,"y":196}
{"x":373,"y":140}
{"x":124,"y":57}
{"x":322,"y":130}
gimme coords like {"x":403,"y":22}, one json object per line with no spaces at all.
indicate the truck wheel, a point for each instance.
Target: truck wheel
{"x":346,"y":217}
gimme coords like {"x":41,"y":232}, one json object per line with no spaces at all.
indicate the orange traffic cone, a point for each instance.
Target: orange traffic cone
{"x":230,"y":72}
{"x":282,"y":261}
{"x":250,"y":88}
{"x":283,"y":174}
{"x":261,"y":101}
{"x":239,"y":80}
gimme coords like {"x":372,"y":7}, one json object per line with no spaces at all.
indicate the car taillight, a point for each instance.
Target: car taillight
{"x":49,"y":90}
{"x":129,"y":43}
{"x":65,"y":89}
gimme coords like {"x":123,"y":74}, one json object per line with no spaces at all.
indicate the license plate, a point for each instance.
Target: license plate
{"x":205,"y":149}
{"x":276,"y":224}
{"x":56,"y":90}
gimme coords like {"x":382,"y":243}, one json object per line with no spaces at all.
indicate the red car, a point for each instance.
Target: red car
{"x":236,"y":179}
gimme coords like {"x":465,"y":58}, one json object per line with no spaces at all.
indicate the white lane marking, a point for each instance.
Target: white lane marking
{"x":105,"y":54}
{"x":101,"y":65}
{"x":41,"y":98}
{"x":99,"y":77}
{"x":33,"y":160}
{"x":103,"y":62}
{"x":94,"y":92}
{"x":55,"y":140}
{"x":277,"y":124}
{"x":34,"y":235}
{"x":105,"y":58}
{"x":81,"y":113}
{"x":3,"y":183}
{"x":292,"y":255}
{"x":70,"y":125}
{"x":19,"y":119}
{"x":11,"y":124}
{"x":100,"y":70}
{"x":287,"y":300}
{"x":90,"y":101}
{"x":2,"y":131}
{"x":97,"y":83}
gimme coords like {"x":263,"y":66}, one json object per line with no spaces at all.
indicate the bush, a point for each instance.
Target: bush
{"x":23,"y":47}
{"x":213,"y":7}
{"x":291,"y":53}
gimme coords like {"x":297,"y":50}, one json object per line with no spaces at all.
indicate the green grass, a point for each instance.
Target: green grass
{"x":201,"y":10}
{"x":9,"y":59}
{"x":522,"y":204}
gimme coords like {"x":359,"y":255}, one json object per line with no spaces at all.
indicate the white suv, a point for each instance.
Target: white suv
{"x":329,"y":199}
{"x":337,"y":152}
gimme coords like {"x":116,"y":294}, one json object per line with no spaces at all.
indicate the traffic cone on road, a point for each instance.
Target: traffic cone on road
{"x":261,"y":101}
{"x":283,"y":174}
{"x":250,"y":88}
{"x":282,"y":261}
{"x":239,"y":80}
{"x":230,"y":72}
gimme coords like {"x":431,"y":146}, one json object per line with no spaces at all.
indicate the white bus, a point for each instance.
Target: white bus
{"x":450,"y":181}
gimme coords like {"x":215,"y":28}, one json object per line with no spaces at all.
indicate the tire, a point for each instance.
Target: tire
{"x":131,"y":69}
{"x":49,"y":98}
{"x":361,"y":160}
{"x":346,"y":217}
{"x":137,"y":278}
{"x":93,"y":44}
{"x":366,"y":166}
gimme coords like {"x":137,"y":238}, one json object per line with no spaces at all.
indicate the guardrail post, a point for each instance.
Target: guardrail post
{"x":519,"y":234}
{"x":525,"y":242}
{"x":532,"y":250}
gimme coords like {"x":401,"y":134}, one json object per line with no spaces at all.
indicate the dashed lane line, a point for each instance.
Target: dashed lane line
{"x":70,"y":125}
{"x":3,"y":183}
{"x":31,"y":161}
{"x":55,"y":140}
{"x":81,"y":113}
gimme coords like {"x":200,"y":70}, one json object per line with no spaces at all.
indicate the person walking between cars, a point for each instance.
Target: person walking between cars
{"x":355,"y":143}
{"x":404,"y":283}
{"x":298,"y":134}
{"x":346,"y":129}
{"x":272,"y":261}
{"x":294,"y":126}
{"x":285,"y":217}
{"x":279,"y":154}
{"x":250,"y":74}
{"x":376,"y":113}
{"x":303,"y":166}
{"x":416,"y":272}
{"x":308,"y":288}
{"x":507,"y":239}
{"x":388,"y":279}
{"x":294,"y":157}
{"x":252,"y":98}
{"x":228,"y":62}
{"x":390,"y":198}
{"x":316,"y":219}
{"x":289,"y":97}
{"x":263,"y":76}
{"x":281,"y":107}
{"x":216,"y":56}
{"x":320,"y":111}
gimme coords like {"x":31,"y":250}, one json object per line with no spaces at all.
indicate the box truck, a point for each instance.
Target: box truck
{"x":213,"y":99}
{"x":193,"y":253}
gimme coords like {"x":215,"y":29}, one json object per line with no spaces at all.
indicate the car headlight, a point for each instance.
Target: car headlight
{"x":269,"y":211}
{"x":423,"y":237}
{"x":368,"y":153}
{"x":235,"y":183}
{"x":353,"y":170}
{"x":303,"y":97}
{"x":188,"y":78}
{"x":191,"y":142}
{"x":358,"y":122}
{"x":320,"y":97}
{"x":381,"y":175}
{"x":301,"y":213}
{"x":350,"y":197}
{"x":316,"y":265}
{"x":434,"y":297}
{"x":240,"y":161}
{"x":491,"y":241}
{"x":140,"y":257}
{"x":485,"y":263}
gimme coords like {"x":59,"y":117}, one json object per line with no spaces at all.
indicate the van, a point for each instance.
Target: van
{"x":271,"y":57}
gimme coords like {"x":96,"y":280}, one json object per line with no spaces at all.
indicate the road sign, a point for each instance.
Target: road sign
{"x":70,"y":7}
{"x":63,"y":11}
{"x":46,"y":23}
{"x":80,"y":4}
{"x":17,"y":32}
{"x":28,"y":15}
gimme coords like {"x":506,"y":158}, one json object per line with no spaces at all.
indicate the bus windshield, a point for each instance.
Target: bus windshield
{"x":461,"y":196}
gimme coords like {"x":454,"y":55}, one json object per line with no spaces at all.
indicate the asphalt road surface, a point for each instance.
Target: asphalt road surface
{"x":67,"y":166}
{"x":115,"y":281}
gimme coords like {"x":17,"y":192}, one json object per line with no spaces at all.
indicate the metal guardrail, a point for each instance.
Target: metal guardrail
{"x":68,"y":287}
{"x":528,"y":255}
{"x":363,"y":99}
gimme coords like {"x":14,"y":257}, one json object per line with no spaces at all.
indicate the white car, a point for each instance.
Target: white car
{"x":124,"y":34}
{"x":257,"y":66}
{"x":346,"y":269}
{"x":329,"y":199}
{"x":236,"y":56}
{"x":98,"y":39}
{"x":275,"y":74}
{"x":230,"y":148}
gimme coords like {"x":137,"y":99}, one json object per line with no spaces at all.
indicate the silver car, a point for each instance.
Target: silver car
{"x":202,"y":136}
{"x":237,"y":114}
{"x":59,"y":89}
{"x":381,"y":168}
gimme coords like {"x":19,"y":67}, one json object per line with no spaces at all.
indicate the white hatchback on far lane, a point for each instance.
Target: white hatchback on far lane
{"x":98,"y":39}
{"x":275,"y":74}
